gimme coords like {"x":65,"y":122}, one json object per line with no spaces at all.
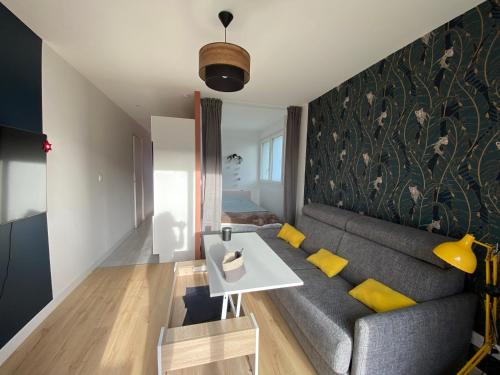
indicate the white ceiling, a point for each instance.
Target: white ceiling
{"x":250,"y":117}
{"x":144,"y":53}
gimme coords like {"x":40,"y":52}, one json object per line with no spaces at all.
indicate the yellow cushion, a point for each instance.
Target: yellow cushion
{"x":380,"y":297}
{"x":327,"y":262}
{"x":291,"y":235}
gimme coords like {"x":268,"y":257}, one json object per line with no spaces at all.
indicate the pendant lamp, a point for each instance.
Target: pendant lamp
{"x":224,"y":66}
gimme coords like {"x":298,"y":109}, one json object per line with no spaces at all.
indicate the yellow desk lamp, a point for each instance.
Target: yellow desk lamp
{"x":460,"y":255}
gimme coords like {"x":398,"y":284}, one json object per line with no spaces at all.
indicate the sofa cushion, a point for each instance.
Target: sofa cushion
{"x":329,"y":263}
{"x":291,"y":235}
{"x":414,"y":278}
{"x":380,"y":297}
{"x":411,"y":241}
{"x":326,"y":314}
{"x":318,"y":235}
{"x":294,"y":258}
{"x":333,"y":216}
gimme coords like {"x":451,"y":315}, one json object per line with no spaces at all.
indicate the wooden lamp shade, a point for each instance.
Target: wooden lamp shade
{"x":224,"y":66}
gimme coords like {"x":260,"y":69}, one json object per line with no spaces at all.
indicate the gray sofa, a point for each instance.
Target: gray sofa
{"x":339,"y":334}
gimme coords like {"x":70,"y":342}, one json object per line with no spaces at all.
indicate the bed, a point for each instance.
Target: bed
{"x":243,"y":215}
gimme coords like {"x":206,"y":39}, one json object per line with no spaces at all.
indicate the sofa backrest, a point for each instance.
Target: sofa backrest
{"x":318,"y":235}
{"x":398,"y":256}
{"x":324,"y":226}
{"x":411,"y":276}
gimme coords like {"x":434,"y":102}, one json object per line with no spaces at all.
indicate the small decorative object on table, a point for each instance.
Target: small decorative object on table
{"x":226,"y":234}
{"x":233,"y":265}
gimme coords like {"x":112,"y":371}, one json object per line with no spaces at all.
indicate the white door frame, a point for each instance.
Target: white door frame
{"x":137,"y":150}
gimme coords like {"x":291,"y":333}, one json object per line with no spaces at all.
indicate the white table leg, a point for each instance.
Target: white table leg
{"x":224,"y":307}
{"x":238,"y":306}
{"x":255,"y":358}
{"x":231,"y":304}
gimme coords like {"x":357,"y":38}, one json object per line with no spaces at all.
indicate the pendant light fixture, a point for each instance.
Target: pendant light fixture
{"x":224,"y":66}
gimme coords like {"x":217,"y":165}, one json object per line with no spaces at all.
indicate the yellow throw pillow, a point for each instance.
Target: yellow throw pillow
{"x":291,"y":235}
{"x":380,"y":297}
{"x":327,"y":262}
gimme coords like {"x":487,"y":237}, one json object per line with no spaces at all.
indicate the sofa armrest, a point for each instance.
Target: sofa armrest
{"x":429,"y":338}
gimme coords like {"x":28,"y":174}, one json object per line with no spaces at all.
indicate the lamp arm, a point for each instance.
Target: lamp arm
{"x":492,"y":260}
{"x":486,"y":245}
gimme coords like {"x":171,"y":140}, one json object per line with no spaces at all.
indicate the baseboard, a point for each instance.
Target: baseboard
{"x":28,"y":329}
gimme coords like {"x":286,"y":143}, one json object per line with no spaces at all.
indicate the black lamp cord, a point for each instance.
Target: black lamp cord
{"x":8,"y":261}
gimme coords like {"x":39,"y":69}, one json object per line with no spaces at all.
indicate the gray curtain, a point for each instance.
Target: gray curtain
{"x":211,"y":164}
{"x":291,"y":163}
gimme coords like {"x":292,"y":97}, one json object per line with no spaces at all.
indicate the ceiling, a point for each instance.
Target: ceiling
{"x":144,"y":54}
{"x":250,"y":117}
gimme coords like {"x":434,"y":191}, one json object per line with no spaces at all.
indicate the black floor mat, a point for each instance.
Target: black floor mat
{"x":200,"y":306}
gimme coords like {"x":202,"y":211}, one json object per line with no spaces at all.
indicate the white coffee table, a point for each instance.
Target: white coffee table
{"x":264,"y":269}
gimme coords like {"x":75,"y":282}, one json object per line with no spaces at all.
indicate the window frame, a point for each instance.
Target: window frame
{"x":261,"y":149}
{"x":270,"y":138}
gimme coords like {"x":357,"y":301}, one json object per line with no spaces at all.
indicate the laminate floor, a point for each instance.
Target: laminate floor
{"x":110,"y":324}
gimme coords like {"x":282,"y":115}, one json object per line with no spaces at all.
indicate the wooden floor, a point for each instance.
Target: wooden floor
{"x":110,"y":325}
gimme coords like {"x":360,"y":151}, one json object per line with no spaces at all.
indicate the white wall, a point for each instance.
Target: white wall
{"x":245,"y":144}
{"x":302,"y":159}
{"x":174,"y":188}
{"x":271,"y":197}
{"x":271,"y":193}
{"x":91,"y":136}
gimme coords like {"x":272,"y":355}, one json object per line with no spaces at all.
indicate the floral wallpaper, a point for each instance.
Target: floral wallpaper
{"x":414,"y":139}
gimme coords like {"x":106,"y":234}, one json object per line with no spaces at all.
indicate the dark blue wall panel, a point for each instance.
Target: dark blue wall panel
{"x":20,"y":74}
{"x":26,"y":276}
{"x":28,"y":285}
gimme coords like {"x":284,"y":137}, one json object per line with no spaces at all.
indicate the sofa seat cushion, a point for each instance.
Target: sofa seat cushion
{"x":317,"y":361}
{"x":266,"y":233}
{"x":326,"y":314}
{"x":294,"y":258}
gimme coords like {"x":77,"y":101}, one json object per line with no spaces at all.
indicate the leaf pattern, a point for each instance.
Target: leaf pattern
{"x":414,"y":139}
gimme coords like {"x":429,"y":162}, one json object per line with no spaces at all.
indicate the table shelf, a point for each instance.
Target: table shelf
{"x":226,"y":346}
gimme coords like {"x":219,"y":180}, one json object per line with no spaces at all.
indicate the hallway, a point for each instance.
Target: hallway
{"x":137,"y":248}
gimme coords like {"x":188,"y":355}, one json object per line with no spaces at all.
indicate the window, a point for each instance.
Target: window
{"x":276,"y":159}
{"x":271,"y":158}
{"x":265,"y":160}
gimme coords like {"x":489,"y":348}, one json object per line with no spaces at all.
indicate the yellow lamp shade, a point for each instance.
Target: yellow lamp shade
{"x":458,"y":253}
